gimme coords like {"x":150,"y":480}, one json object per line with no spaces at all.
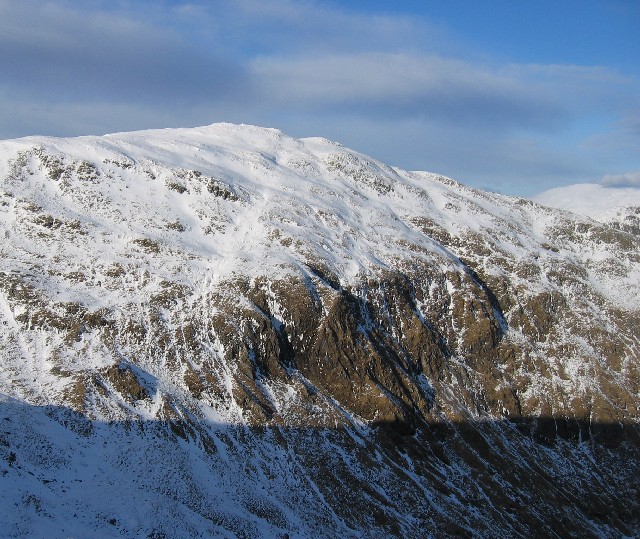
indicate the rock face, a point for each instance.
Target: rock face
{"x":227,"y":332}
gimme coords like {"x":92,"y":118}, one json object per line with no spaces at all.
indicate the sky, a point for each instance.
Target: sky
{"x":512,"y":96}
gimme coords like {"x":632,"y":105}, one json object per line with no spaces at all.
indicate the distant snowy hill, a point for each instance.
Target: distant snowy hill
{"x":228,"y":332}
{"x":596,"y":201}
{"x":616,"y":206}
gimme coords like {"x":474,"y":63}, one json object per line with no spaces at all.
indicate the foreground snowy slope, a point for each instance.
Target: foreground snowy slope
{"x":237,"y":333}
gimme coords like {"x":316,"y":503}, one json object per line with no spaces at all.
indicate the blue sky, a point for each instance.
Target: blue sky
{"x":515,"y":96}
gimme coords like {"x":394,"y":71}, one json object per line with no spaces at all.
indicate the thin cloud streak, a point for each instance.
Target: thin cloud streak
{"x":313,"y":28}
{"x":627,"y":179}
{"x":403,"y":85}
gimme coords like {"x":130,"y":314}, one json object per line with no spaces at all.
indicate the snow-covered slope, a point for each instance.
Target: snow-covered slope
{"x":237,"y":333}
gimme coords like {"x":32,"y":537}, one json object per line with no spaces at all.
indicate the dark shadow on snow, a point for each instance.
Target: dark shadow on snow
{"x":524,"y":477}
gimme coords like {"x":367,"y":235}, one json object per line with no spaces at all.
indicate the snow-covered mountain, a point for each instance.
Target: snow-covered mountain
{"x":228,"y":332}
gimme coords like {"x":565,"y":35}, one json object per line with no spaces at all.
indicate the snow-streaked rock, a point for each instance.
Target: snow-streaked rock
{"x":256,"y":335}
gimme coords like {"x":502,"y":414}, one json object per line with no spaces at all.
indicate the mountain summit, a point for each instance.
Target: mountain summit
{"x":228,"y":332}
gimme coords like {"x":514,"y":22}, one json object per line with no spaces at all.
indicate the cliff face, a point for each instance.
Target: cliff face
{"x":230,"y":332}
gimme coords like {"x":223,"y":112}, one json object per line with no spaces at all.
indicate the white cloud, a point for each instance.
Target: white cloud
{"x":627,"y":179}
{"x":365,"y":77}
